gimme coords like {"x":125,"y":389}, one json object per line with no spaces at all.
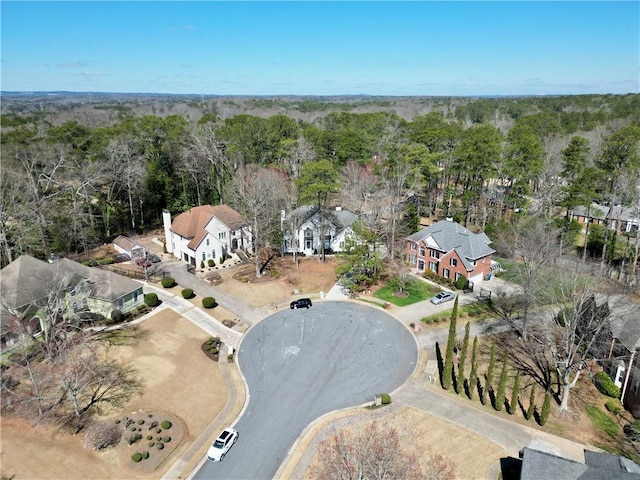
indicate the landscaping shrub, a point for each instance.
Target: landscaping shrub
{"x":614,"y":406}
{"x":187,"y":293}
{"x":168,"y":282}
{"x":106,"y":261}
{"x":117,"y":316}
{"x":160,"y":446}
{"x":99,"y":436}
{"x":166,"y":425}
{"x":201,"y":264}
{"x":461,"y":282}
{"x":606,"y":386}
{"x":166,"y":439}
{"x":145,"y":455}
{"x":153,"y":425}
{"x":546,"y":409}
{"x":151,"y":299}
{"x":149,"y":437}
{"x":136,"y":457}
{"x":208,"y":302}
{"x":158,"y":430}
{"x":386,"y":399}
{"x":211,"y":263}
{"x":141,"y":422}
{"x":134,"y":438}
{"x":150,"y":444}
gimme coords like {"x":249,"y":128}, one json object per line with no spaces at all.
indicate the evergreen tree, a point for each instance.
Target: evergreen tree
{"x":532,"y":402}
{"x":473,"y":377}
{"x":514,"y":394}
{"x":462,"y":359}
{"x":502,"y":385}
{"x":447,"y":370}
{"x":546,"y":408}
{"x":491,"y":369}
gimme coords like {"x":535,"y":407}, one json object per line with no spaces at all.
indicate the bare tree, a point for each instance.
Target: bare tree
{"x":206,"y":145}
{"x":377,"y":452}
{"x":260,"y":194}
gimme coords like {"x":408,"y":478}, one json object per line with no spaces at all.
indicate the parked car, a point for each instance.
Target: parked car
{"x":222,"y":444}
{"x":442,"y":297}
{"x":301,"y":303}
{"x":153,"y":258}
{"x":122,"y":257}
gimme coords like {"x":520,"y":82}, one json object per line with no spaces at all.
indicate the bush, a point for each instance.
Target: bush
{"x":145,"y":455}
{"x":158,"y":430}
{"x":106,"y":261}
{"x":151,"y":299}
{"x":166,"y":425}
{"x":606,"y":386}
{"x":134,"y":438}
{"x":150,"y":444}
{"x":209,"y":302}
{"x":211,"y":263}
{"x":386,"y":398}
{"x":168,"y":282}
{"x":159,"y":445}
{"x":141,"y":422}
{"x":117,"y":316}
{"x":136,"y":457}
{"x":149,"y":437}
{"x":99,"y":436}
{"x":461,"y":282}
{"x":187,"y":293}
{"x":614,"y":406}
{"x":201,"y":264}
{"x":546,"y":409}
{"x":166,"y":439}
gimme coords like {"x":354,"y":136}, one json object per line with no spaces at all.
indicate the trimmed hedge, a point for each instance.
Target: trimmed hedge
{"x":209,"y":302}
{"x":386,"y":398}
{"x":151,"y":299}
{"x":606,"y":386}
{"x":168,"y":282}
{"x":211,"y":263}
{"x":187,"y":293}
{"x":614,"y":406}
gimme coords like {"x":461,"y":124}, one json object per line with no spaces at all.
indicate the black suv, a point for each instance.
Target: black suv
{"x":301,"y":303}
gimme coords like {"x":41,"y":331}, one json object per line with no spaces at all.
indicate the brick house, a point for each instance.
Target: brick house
{"x":450,"y":250}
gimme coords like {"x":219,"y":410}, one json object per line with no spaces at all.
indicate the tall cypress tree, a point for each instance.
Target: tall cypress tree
{"x":447,"y":370}
{"x":502,"y":385}
{"x":473,"y":377}
{"x":532,"y":402}
{"x":462,"y":359}
{"x":546,"y":408}
{"x":514,"y":394}
{"x":491,"y":368}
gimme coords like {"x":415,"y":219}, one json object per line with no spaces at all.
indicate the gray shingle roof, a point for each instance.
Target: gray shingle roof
{"x":453,"y":236}
{"x":340,"y":218}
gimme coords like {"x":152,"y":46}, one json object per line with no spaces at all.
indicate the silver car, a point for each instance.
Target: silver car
{"x":442,"y":297}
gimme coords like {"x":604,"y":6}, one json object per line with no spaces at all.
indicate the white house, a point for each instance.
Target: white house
{"x":206,"y":233}
{"x":303,"y":226}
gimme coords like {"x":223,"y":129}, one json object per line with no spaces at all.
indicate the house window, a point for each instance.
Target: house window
{"x":341,"y":244}
{"x":222,"y":235}
{"x":420,"y":264}
{"x":207,"y":242}
{"x":453,"y":262}
{"x":433,"y":266}
{"x":446,"y":273}
{"x":204,"y":256}
{"x":308,"y":233}
{"x":458,"y":275}
{"x":435,"y":254}
{"x":474,"y":263}
{"x":414,"y":246}
{"x":422,"y":252}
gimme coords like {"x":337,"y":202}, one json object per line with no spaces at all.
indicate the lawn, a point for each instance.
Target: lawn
{"x":477,"y":311}
{"x":415,"y":291}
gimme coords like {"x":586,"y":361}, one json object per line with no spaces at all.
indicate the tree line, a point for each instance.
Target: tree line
{"x":68,"y":186}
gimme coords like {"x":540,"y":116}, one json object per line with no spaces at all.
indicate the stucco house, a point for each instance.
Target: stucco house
{"x":306,"y":227}
{"x":450,"y":250}
{"x":30,"y":286}
{"x":206,"y":233}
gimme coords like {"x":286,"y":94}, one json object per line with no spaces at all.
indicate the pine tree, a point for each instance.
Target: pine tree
{"x":473,"y":377}
{"x":514,"y":394}
{"x":447,"y":370}
{"x":463,"y":359}
{"x":502,"y":385}
{"x":532,"y":402}
{"x":546,"y":408}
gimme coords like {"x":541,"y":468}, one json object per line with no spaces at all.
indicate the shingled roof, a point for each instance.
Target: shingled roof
{"x":448,"y":236}
{"x":28,"y":280}
{"x":191,"y":223}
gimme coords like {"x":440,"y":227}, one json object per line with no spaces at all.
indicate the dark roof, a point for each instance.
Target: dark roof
{"x":448,"y":236}
{"x":28,"y":280}
{"x":624,"y":321}
{"x":537,"y":465}
{"x":338,"y":217}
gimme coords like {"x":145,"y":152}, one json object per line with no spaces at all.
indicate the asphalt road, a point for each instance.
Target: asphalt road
{"x":301,"y":364}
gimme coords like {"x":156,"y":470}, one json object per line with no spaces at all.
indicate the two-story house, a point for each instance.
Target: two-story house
{"x":31,"y":290}
{"x":450,"y":250}
{"x":306,"y":227}
{"x":206,"y":232}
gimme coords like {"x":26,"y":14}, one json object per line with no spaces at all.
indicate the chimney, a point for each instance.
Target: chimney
{"x":166,"y":221}
{"x":449,"y":218}
{"x":338,"y":209}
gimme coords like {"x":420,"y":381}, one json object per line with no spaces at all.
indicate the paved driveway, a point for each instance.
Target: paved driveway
{"x":301,"y":364}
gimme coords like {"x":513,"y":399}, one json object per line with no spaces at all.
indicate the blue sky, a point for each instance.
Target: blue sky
{"x":322,"y":48}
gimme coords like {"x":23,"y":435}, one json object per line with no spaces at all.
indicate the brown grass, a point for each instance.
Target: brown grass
{"x":178,"y":380}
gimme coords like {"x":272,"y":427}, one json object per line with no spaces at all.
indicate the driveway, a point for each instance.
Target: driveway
{"x":301,"y":364}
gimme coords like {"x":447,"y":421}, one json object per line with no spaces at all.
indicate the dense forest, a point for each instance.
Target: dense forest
{"x":79,"y":169}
